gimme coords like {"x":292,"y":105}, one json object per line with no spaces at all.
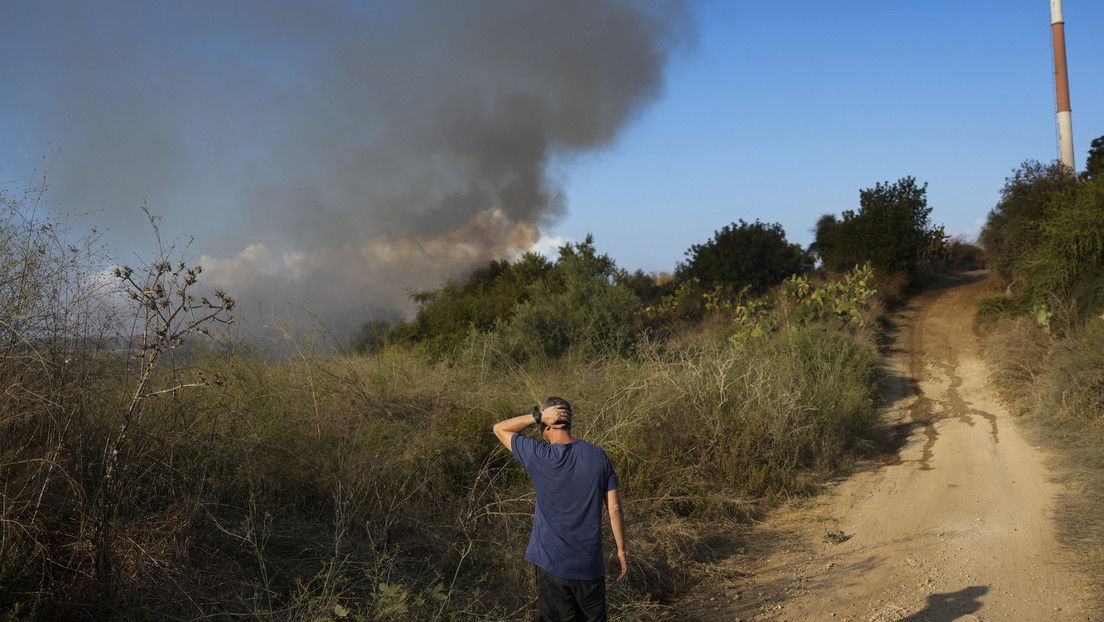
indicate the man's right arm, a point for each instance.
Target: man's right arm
{"x":505,"y":430}
{"x":619,"y":563}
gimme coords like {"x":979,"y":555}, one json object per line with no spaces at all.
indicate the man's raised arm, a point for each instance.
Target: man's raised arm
{"x":506,"y":429}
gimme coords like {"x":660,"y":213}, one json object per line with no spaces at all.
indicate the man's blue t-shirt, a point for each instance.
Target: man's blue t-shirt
{"x":571,"y":482}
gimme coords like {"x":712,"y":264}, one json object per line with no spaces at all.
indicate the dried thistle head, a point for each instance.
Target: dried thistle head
{"x":226,"y":301}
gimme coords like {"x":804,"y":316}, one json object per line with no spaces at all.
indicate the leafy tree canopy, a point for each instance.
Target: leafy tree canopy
{"x":582,"y":307}
{"x":446,"y":314}
{"x":493,"y":294}
{"x":756,"y":256}
{"x":586,"y":256}
{"x":1011,"y":230}
{"x":892,"y":230}
{"x":1067,"y":263}
{"x":1094,"y":163}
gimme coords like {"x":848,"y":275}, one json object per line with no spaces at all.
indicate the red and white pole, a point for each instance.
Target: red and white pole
{"x":1061,"y":85}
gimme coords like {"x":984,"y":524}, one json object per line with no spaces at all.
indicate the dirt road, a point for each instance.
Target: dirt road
{"x":954,"y":524}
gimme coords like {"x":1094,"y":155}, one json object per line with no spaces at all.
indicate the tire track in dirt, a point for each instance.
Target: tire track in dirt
{"x":955,"y":523}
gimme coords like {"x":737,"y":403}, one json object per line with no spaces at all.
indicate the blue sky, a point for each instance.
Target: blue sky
{"x":336,"y":155}
{"x":784,"y":112}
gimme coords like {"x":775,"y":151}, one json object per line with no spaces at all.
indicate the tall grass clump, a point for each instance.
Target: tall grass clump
{"x":756,"y":419}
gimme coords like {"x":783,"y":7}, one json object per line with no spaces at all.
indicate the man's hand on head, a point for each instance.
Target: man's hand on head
{"x":556,"y":416}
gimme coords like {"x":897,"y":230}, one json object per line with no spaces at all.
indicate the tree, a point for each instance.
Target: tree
{"x":650,"y":288}
{"x":892,"y":230}
{"x":448,"y":313}
{"x":1064,"y":269}
{"x":824,"y":240}
{"x":1094,"y":163}
{"x":566,"y":308}
{"x":756,"y":256}
{"x":587,"y":259}
{"x":1011,"y":230}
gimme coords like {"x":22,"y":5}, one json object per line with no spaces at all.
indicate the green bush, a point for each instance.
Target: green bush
{"x":752,"y":257}
{"x":1065,"y":268}
{"x":586,"y":315}
{"x":447,"y":314}
{"x":1011,"y":229}
{"x":582,"y":303}
{"x":991,"y":309}
{"x":1094,"y":161}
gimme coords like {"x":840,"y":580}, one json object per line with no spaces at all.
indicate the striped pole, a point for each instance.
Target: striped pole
{"x":1061,"y":85}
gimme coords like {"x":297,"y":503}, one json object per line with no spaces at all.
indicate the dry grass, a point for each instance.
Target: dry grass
{"x":1055,"y":386}
{"x":372,"y":483}
{"x":1018,"y":352}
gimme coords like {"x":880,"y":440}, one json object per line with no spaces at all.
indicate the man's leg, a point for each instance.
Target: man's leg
{"x":591,"y":598}
{"x":569,"y":600}
{"x":555,"y":602}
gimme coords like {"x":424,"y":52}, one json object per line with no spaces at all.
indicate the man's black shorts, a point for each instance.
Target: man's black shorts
{"x":562,"y":600}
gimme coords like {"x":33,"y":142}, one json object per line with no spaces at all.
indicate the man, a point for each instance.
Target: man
{"x":572,"y":479}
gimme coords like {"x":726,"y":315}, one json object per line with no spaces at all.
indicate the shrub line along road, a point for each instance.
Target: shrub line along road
{"x":955,"y":523}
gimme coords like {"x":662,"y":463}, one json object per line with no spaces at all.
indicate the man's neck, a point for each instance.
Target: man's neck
{"x":560,"y":437}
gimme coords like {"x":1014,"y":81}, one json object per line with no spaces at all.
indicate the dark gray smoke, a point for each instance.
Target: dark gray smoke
{"x":328,"y":154}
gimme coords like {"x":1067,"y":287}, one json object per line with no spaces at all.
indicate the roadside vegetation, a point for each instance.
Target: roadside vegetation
{"x":1043,"y":328}
{"x":155,"y":466}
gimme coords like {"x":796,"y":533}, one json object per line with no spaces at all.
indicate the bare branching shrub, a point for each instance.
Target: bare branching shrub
{"x":168,"y":311}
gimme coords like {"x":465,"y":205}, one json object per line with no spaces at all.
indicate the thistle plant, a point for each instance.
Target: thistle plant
{"x":167,"y":311}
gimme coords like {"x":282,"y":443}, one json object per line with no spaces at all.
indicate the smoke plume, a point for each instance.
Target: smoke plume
{"x":332,"y":155}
